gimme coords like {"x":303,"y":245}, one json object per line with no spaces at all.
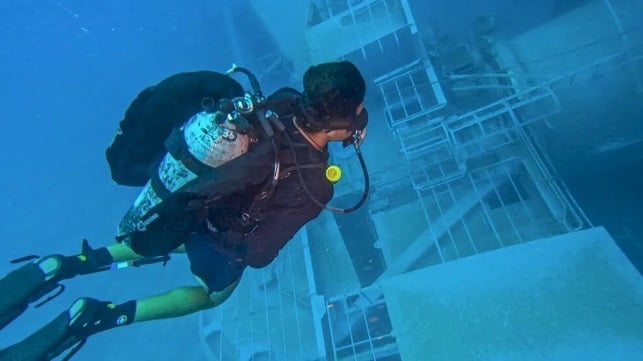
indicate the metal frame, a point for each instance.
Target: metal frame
{"x":410,"y":92}
{"x":366,"y":14}
{"x":256,"y":322}
{"x":356,"y":333}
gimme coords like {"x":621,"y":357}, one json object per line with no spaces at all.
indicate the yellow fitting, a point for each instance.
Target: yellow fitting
{"x":333,"y":173}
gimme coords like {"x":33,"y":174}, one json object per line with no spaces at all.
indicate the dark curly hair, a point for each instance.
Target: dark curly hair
{"x":333,"y":90}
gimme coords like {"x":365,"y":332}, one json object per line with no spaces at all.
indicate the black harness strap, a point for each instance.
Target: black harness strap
{"x":178,"y":148}
{"x":159,"y":188}
{"x":306,"y":159}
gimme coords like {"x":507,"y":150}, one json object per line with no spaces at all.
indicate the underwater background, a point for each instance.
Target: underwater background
{"x":70,"y":68}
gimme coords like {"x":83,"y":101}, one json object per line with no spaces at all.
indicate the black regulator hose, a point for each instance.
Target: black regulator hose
{"x":254,"y":83}
{"x":310,"y":194}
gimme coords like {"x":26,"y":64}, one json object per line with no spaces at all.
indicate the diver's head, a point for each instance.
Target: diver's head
{"x":333,"y":99}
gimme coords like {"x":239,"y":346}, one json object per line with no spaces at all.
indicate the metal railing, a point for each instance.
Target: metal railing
{"x":410,"y":92}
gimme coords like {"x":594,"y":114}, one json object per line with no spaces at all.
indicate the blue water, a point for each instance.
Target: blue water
{"x":69,"y":69}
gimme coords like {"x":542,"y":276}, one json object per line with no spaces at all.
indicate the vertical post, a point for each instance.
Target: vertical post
{"x":312,"y":289}
{"x":626,"y":45}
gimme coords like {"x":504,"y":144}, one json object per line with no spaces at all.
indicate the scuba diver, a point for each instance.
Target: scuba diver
{"x":229,"y":176}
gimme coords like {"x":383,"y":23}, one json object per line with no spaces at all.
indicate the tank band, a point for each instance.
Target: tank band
{"x":178,"y":148}
{"x":159,"y":188}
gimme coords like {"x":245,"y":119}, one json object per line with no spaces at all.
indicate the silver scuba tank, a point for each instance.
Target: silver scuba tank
{"x":209,"y":141}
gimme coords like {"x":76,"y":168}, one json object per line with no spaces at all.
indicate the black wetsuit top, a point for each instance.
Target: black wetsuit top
{"x":289,"y":207}
{"x":169,"y":104}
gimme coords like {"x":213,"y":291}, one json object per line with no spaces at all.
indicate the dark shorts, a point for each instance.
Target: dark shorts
{"x":216,"y":266}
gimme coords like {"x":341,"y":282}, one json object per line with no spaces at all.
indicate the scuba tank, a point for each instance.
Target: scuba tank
{"x":212,"y":139}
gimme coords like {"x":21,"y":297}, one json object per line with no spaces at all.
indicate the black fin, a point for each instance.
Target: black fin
{"x":18,"y":289}
{"x":44,"y":344}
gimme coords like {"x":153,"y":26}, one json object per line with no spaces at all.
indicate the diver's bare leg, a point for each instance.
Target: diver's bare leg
{"x":180,"y":302}
{"x":123,"y":253}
